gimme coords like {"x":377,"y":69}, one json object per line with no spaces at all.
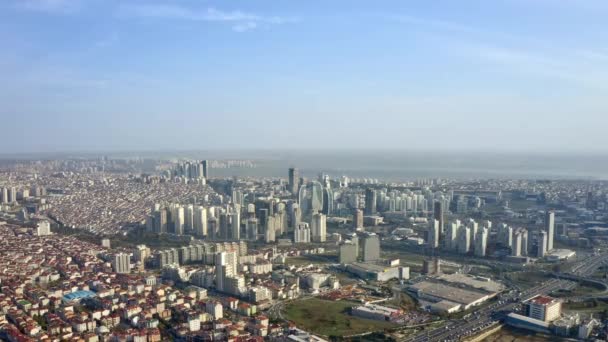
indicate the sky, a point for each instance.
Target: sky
{"x":116,"y":75}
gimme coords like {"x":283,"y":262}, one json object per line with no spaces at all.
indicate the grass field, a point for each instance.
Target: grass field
{"x":330,"y":318}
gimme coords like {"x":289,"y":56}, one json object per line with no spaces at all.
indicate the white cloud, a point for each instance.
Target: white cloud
{"x":241,"y":21}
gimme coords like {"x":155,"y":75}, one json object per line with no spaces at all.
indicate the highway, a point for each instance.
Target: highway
{"x":484,"y":318}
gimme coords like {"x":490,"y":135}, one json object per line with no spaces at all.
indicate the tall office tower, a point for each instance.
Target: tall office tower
{"x":294,"y":180}
{"x":370,"y":202}
{"x":4,"y":195}
{"x":451,"y":236}
{"x":235,"y":226}
{"x":433,"y":234}
{"x":121,"y":263}
{"x":302,"y":233}
{"x":12,"y":195}
{"x":481,"y":242}
{"x":316,"y":201}
{"x":319,"y":227}
{"x":200,"y":221}
{"x":269,"y":231}
{"x":224,"y":226}
{"x":371,"y":248}
{"x":189,"y":219}
{"x":358,"y":219}
{"x":252,"y":228}
{"x":464,"y":239}
{"x":160,"y":221}
{"x":328,"y":200}
{"x":438,"y":215}
{"x":550,"y":228}
{"x":225,"y":267}
{"x":178,"y":220}
{"x":205,"y":166}
{"x":541,"y":247}
{"x":296,"y":216}
{"x":212,"y":228}
{"x":517,"y":243}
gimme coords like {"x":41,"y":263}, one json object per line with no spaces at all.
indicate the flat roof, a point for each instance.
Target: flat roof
{"x":476,"y":282}
{"x":450,"y":293}
{"x":542,"y":300}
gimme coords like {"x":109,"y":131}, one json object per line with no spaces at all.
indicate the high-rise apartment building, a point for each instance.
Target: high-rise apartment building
{"x":358,"y":219}
{"x":550,"y":228}
{"x":121,"y":263}
{"x":319,"y":227}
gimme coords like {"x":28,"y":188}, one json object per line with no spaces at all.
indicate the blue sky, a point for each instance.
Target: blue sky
{"x":522,"y":75}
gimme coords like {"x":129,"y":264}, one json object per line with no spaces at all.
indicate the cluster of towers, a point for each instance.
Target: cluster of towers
{"x":266,"y":219}
{"x":192,"y":170}
{"x":381,"y":200}
{"x":462,"y":237}
{"x":471,"y":237}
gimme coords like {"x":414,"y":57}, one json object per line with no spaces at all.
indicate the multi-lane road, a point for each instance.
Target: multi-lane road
{"x":456,"y":330}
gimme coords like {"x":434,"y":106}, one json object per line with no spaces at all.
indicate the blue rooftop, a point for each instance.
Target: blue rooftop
{"x":78,"y":295}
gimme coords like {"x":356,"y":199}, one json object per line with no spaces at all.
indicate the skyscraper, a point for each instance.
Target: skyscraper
{"x":200,"y":221}
{"x":225,"y":266}
{"x":178,"y":220}
{"x":464,"y":239}
{"x":433,"y":234}
{"x":160,"y":221}
{"x":121,"y":263}
{"x":541,"y":247}
{"x":224,"y":226}
{"x":252,"y":228}
{"x":235,"y":231}
{"x":370,"y":202}
{"x":317,"y":197}
{"x":550,"y":228}
{"x":319,"y":227}
{"x":451,"y":236}
{"x":294,"y":180}
{"x":328,"y":201}
{"x":371,"y":248}
{"x":189,"y":219}
{"x":212,"y":228}
{"x":302,"y":233}
{"x":517,"y":242}
{"x":439,"y":215}
{"x":205,"y":166}
{"x":481,"y":242}
{"x":358,"y":219}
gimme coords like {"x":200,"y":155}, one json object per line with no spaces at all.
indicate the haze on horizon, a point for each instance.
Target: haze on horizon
{"x":508,"y":75}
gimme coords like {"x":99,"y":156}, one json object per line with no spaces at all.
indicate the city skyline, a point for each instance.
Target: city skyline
{"x":167,"y":74}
